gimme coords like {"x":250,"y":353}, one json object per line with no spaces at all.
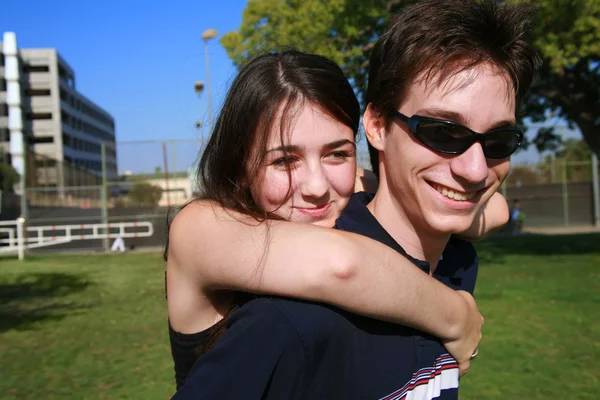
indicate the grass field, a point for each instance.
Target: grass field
{"x":94,"y":326}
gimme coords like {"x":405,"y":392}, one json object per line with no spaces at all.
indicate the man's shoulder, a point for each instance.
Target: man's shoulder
{"x":308,"y":320}
{"x":459,"y":265}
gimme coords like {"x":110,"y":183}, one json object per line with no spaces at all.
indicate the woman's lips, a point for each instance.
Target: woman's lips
{"x":315,"y":212}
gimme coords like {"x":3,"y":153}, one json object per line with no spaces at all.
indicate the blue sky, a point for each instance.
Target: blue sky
{"x":138,"y":60}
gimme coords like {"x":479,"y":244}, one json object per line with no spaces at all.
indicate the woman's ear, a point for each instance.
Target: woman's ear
{"x":375,"y":127}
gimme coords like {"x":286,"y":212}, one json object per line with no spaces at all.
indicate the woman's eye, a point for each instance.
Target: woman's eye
{"x":284,"y":162}
{"x":340,"y":155}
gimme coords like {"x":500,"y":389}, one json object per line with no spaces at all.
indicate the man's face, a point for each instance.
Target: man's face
{"x":440,"y":193}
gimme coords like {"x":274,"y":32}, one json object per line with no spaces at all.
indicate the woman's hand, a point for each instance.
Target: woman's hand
{"x":468,"y":335}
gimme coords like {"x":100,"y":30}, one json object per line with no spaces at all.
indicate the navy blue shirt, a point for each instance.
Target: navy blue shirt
{"x":276,"y":348}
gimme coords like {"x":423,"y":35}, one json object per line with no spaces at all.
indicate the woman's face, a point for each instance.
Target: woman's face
{"x":320,"y":153}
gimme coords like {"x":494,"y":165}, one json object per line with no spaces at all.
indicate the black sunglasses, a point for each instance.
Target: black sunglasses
{"x":451,"y":138}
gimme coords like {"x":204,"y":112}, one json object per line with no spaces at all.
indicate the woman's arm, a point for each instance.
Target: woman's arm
{"x":492,"y":216}
{"x":211,"y":249}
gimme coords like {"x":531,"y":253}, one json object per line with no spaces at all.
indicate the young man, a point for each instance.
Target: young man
{"x":444,"y":86}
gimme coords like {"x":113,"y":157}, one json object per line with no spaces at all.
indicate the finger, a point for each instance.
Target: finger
{"x":464,"y":368}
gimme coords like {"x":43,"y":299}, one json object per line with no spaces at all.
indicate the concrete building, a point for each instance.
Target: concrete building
{"x":62,"y":127}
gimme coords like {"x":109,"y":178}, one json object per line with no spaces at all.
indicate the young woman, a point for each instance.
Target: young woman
{"x":283,"y":149}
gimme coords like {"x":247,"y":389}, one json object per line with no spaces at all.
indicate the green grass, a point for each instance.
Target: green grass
{"x":94,"y":326}
{"x":84,"y":327}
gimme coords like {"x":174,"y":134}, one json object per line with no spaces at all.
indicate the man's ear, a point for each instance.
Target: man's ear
{"x":374,"y":124}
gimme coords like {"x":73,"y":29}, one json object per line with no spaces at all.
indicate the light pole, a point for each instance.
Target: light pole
{"x":206,"y":36}
{"x":199,"y":88}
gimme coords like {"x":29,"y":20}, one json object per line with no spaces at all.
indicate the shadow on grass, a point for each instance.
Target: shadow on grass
{"x":37,"y":297}
{"x":496,"y":248}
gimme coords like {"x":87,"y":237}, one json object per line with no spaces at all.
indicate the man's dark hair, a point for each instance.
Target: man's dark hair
{"x":427,"y":37}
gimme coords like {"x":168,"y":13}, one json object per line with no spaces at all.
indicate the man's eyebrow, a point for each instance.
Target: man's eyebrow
{"x":509,"y":123}
{"x":339,"y":143}
{"x":460,"y":119}
{"x":440,"y":113}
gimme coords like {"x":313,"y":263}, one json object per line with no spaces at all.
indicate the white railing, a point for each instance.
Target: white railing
{"x":48,"y":235}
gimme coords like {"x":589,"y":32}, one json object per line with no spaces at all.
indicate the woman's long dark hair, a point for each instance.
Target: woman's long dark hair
{"x":266,"y":85}
{"x":269,"y":88}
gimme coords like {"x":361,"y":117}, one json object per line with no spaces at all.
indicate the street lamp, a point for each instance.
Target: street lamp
{"x":199,"y":88}
{"x":206,"y":36}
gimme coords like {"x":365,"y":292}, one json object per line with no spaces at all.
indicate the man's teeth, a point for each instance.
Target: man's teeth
{"x":451,"y":194}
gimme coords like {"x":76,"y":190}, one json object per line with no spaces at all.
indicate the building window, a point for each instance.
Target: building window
{"x":1,"y":59}
{"x":4,"y":135}
{"x":45,"y":162}
{"x":2,"y":84}
{"x":37,"y":92}
{"x":66,"y":140}
{"x":66,"y":118}
{"x":36,"y":68}
{"x":41,"y":139}
{"x":31,"y":116}
{"x":4,"y":110}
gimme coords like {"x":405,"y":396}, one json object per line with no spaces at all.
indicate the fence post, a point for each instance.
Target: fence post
{"x":166,"y":165}
{"x":595,"y":190}
{"x":174,"y":170}
{"x":103,"y":193}
{"x":565,"y":193}
{"x":20,"y":238}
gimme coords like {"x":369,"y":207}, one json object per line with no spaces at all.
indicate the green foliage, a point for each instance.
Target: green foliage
{"x":144,"y":194}
{"x":577,"y":156}
{"x":524,"y":175}
{"x":9,"y":177}
{"x":577,"y":153}
{"x":567,"y":36}
{"x":342,"y":30}
{"x":575,"y":150}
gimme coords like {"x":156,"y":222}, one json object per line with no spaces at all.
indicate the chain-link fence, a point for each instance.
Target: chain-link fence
{"x":554,"y":193}
{"x":127,"y":193}
{"x":131,"y":191}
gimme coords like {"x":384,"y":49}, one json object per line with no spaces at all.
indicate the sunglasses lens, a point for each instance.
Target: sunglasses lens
{"x":444,"y":137}
{"x":501,"y":144}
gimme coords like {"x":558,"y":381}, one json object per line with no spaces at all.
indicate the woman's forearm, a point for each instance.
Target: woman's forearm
{"x":374,"y":280}
{"x":223,"y":251}
{"x":492,"y":216}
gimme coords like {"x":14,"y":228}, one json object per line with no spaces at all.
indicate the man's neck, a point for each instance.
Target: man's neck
{"x":419,"y":244}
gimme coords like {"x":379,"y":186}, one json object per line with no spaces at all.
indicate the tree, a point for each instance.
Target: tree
{"x":567,"y":36}
{"x":144,"y":194}
{"x":9,"y":177}
{"x":578,"y":157}
{"x":523,"y":175}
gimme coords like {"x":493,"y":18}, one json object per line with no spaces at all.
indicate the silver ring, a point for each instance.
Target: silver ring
{"x":475,"y":354}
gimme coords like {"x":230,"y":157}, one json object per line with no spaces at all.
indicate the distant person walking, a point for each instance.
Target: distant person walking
{"x":517,"y":218}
